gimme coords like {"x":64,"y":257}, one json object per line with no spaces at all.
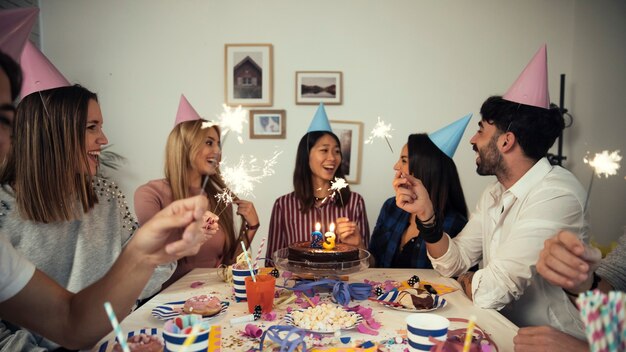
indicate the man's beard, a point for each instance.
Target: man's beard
{"x":490,"y":159}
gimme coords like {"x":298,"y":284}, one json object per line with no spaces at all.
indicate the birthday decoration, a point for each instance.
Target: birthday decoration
{"x":15,"y":27}
{"x":185,"y":112}
{"x":39,"y":73}
{"x":342,"y":292}
{"x":381,"y":130}
{"x":329,"y":238}
{"x":447,"y":138}
{"x":320,"y":121}
{"x":604,"y":317}
{"x":531,"y":87}
{"x":316,"y":236}
{"x":289,"y":338}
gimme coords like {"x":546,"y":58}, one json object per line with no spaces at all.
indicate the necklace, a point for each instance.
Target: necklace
{"x":318,"y":199}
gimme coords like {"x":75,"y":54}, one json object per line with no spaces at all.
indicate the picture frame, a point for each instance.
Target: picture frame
{"x":314,"y":87}
{"x":248,"y":74}
{"x":350,"y":134}
{"x":268,"y":124}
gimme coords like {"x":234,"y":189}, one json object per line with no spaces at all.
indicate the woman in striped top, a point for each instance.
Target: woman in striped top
{"x":294,"y":215}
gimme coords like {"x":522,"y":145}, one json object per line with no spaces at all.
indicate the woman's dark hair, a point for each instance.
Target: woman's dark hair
{"x":13,"y":71}
{"x":302,"y":180}
{"x":438,"y":173}
{"x":535,"y":128}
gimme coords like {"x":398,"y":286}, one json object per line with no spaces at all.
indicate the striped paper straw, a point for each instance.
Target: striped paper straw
{"x":190,"y":338}
{"x":245,"y":254}
{"x":116,"y":327}
{"x":258,"y":253}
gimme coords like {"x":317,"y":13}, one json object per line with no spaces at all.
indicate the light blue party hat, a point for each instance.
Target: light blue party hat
{"x":447,"y":138}
{"x":320,"y":121}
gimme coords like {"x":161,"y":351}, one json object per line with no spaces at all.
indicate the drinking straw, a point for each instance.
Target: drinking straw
{"x":190,"y":338}
{"x":469,"y":333}
{"x":116,"y":326}
{"x":258,"y":253}
{"x":245,"y":253}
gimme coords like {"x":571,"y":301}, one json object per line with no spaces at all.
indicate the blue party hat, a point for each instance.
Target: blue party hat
{"x":320,"y":121}
{"x":447,"y":138}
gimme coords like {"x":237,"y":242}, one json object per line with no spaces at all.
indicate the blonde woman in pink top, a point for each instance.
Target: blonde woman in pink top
{"x":193,"y":152}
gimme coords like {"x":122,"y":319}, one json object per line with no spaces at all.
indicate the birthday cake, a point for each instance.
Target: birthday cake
{"x":303,"y":252}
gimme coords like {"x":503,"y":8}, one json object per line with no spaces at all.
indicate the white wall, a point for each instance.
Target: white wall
{"x":418,"y":64}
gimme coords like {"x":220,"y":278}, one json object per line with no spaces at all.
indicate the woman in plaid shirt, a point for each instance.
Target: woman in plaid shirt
{"x":395,"y":242}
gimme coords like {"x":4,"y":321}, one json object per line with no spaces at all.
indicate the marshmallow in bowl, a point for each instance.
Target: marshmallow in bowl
{"x":324,"y":317}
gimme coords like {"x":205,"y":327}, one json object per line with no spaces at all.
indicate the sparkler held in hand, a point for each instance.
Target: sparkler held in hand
{"x":336,"y":186}
{"x":603,"y":164}
{"x":381,"y":130}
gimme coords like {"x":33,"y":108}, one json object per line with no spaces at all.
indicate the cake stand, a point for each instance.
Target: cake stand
{"x":320,"y":270}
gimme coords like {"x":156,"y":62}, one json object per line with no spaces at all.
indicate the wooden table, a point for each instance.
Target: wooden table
{"x":501,"y":329}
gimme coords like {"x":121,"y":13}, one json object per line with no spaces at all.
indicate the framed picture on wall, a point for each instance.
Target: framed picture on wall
{"x":248,"y":74}
{"x":350,"y":135}
{"x":314,"y":87}
{"x":268,"y":124}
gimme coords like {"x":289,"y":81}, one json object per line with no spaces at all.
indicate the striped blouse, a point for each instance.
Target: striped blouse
{"x":289,"y":225}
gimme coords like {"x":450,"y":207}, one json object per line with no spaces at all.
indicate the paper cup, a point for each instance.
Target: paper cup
{"x":261,"y":292}
{"x":239,"y":276}
{"x":421,"y":326}
{"x":174,"y":342}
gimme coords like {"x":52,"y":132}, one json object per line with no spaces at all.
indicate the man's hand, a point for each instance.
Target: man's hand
{"x":567,"y":262}
{"x":546,"y":338}
{"x":412,"y":196}
{"x":158,"y":244}
{"x":348,"y":232}
{"x":466,"y":283}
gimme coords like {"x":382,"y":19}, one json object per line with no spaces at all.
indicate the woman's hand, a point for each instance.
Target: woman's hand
{"x":211,"y":224}
{"x":348,"y":232}
{"x":247,"y":210}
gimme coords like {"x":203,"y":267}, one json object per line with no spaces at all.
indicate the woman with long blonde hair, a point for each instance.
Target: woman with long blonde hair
{"x":193,"y":153}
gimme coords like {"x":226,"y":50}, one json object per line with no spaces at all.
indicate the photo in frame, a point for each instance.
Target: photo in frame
{"x":350,"y":134}
{"x":268,"y":124}
{"x":314,"y":87}
{"x":248,"y":74}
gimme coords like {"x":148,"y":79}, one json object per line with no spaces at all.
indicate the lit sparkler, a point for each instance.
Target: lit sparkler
{"x":336,"y":186}
{"x":603,"y":164}
{"x":233,"y":120}
{"x":242,"y":177}
{"x":381,"y":130}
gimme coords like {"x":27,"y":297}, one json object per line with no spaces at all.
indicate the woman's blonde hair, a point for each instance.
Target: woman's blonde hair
{"x":47,"y":155}
{"x":183,"y":144}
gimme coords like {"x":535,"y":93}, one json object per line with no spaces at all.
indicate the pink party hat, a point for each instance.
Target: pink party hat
{"x":186,"y":112}
{"x":39,"y":73}
{"x":15,"y":27}
{"x":531,"y":87}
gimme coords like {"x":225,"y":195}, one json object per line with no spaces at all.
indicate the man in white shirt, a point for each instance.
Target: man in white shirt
{"x":529,"y":203}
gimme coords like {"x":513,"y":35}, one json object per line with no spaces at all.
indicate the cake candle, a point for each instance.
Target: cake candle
{"x":330,"y":237}
{"x":317,"y":237}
